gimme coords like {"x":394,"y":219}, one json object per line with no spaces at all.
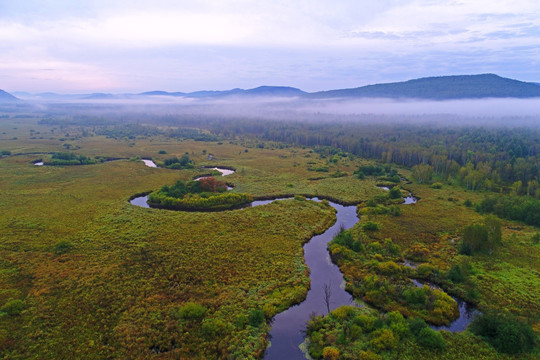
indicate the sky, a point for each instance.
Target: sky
{"x":132,"y":46}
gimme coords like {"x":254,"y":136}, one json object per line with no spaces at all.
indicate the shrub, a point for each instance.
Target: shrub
{"x":468,"y":203}
{"x":455,"y":274}
{"x":507,"y":334}
{"x":416,"y":325}
{"x":395,"y":193}
{"x":398,"y":324}
{"x":436,"y":185}
{"x":481,"y":237}
{"x":330,"y":353}
{"x":256,"y":317}
{"x":370,"y":226}
{"x":426,"y":270}
{"x":62,"y":247}
{"x":384,"y":340}
{"x":370,"y":170}
{"x":13,"y":307}
{"x":395,"y":178}
{"x":417,"y":252}
{"x":162,"y":152}
{"x":522,"y":208}
{"x":415,"y":295}
{"x":344,"y":238}
{"x":389,"y":268}
{"x":212,"y":328}
{"x":430,"y":339}
{"x":395,"y":210}
{"x":191,"y":311}
{"x":466,"y":249}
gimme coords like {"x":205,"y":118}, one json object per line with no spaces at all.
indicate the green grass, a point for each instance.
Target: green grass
{"x":99,"y":278}
{"x":115,"y":292}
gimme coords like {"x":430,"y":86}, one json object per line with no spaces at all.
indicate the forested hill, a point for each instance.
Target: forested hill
{"x":442,"y":88}
{"x":6,"y":97}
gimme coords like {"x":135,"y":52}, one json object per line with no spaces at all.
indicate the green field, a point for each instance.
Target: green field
{"x":85,"y":274}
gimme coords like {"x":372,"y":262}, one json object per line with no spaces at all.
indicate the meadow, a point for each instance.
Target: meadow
{"x":85,"y":274}
{"x":78,"y":259}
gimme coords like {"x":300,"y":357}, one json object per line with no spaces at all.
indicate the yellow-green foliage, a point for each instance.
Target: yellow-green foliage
{"x":365,"y":334}
{"x":196,"y":202}
{"x":84,"y":274}
{"x":381,"y":282}
{"x":430,"y":232}
{"x":118,"y":289}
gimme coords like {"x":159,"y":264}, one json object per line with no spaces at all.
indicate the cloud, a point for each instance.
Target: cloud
{"x":188,"y":45}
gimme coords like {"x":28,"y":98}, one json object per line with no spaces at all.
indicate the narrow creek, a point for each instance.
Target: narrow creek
{"x":467,"y":312}
{"x":287,"y":332}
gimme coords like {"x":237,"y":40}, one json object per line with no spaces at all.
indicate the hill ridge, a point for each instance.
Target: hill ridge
{"x":441,"y":88}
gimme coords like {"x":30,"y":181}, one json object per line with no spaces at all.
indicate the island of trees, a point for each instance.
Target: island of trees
{"x":206,"y":194}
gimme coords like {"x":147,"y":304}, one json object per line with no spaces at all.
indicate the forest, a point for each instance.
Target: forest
{"x":84,"y":273}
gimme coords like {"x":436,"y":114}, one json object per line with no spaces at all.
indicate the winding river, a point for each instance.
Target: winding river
{"x":467,"y":311}
{"x":287,"y":333}
{"x":288,"y":327}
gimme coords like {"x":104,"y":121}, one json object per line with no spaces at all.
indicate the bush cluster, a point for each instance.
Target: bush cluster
{"x":358,"y":333}
{"x":205,"y":194}
{"x":505,"y":333}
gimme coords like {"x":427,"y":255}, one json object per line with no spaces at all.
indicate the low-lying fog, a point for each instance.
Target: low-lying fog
{"x":496,"y":111}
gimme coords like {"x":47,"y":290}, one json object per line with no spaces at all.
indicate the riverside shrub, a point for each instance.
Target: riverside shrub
{"x":505,"y":333}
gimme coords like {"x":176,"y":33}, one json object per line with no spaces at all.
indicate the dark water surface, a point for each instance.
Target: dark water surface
{"x":288,"y":327}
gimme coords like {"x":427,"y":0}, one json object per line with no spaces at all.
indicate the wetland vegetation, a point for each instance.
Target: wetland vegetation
{"x":205,"y":194}
{"x":85,"y":274}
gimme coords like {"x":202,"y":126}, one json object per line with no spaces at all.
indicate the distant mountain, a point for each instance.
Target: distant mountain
{"x":161,"y":93}
{"x":7,"y":97}
{"x":442,"y":88}
{"x":214,"y":93}
{"x":282,"y":91}
{"x":99,"y":96}
{"x":48,"y":96}
{"x":275,"y":91}
{"x":433,"y":88}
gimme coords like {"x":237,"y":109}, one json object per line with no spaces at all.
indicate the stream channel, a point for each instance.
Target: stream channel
{"x":287,"y":332}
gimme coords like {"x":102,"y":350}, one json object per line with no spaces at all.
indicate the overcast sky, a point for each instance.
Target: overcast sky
{"x":131,"y":46}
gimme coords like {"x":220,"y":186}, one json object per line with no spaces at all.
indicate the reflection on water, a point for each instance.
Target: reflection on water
{"x":149,"y":163}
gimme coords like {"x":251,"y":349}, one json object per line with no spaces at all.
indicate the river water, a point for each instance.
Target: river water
{"x":288,"y":327}
{"x":149,"y":163}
